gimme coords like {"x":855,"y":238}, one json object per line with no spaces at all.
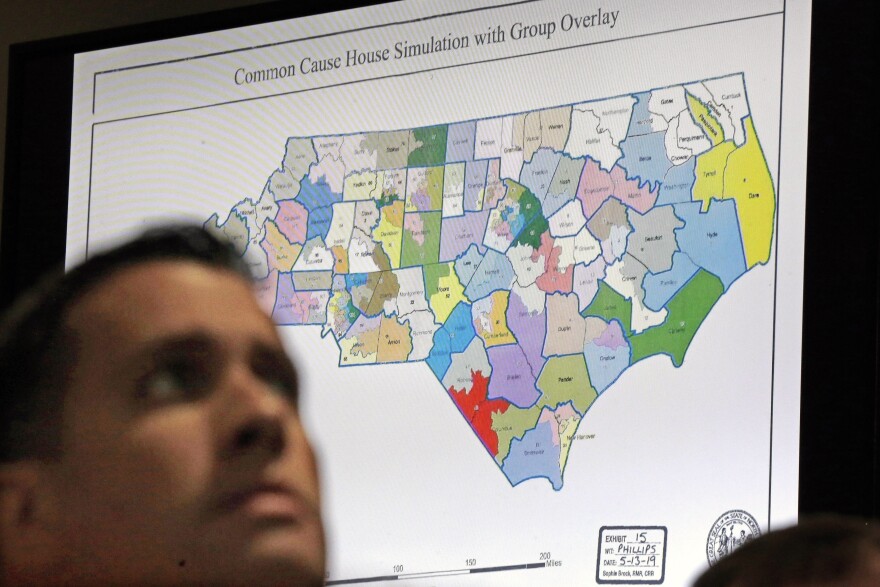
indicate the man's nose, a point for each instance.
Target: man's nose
{"x":253,"y":415}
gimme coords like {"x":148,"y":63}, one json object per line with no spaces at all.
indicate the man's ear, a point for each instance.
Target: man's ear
{"x":28,"y":545}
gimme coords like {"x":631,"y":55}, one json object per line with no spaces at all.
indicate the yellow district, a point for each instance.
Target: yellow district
{"x":389,"y":232}
{"x":748,"y":181}
{"x":428,"y":182}
{"x":710,"y":173}
{"x":337,"y":304}
{"x":450,"y":291}
{"x":287,"y":252}
{"x":479,"y":203}
{"x":706,"y":120}
{"x":498,"y":332}
{"x":359,"y":186}
{"x":380,"y":183}
{"x":567,"y":428}
{"x":353,"y":352}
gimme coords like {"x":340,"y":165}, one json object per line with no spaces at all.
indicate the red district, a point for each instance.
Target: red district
{"x":478,"y":409}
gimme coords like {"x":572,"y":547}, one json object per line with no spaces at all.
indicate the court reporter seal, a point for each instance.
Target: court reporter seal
{"x":729,"y":532}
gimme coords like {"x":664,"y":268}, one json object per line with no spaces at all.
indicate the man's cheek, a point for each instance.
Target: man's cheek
{"x":171,"y":457}
{"x":308,"y":465}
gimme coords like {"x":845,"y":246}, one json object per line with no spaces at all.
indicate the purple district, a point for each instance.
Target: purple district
{"x":457,"y":233}
{"x":586,"y":281}
{"x":529,"y":328}
{"x":512,"y":378}
{"x":460,"y":142}
{"x":612,"y":338}
{"x":421,"y":201}
{"x":298,"y":307}
{"x":364,"y":324}
{"x":474,"y":182}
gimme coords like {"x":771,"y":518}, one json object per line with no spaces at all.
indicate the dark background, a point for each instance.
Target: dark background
{"x":839,"y":406}
{"x":840,"y":409}
{"x":22,"y":22}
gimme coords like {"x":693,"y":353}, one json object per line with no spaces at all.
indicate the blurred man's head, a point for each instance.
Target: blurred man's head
{"x":821,"y":552}
{"x":153,"y":434}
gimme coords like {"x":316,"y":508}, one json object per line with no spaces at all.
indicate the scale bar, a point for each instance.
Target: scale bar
{"x":436,"y":574}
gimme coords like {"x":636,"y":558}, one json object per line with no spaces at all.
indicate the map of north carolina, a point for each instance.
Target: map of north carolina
{"x":527,"y":259}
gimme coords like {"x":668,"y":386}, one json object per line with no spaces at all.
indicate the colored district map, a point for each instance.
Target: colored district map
{"x":528,"y":260}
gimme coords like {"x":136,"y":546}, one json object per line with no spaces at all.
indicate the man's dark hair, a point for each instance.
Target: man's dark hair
{"x":37,"y":349}
{"x":825,"y":550}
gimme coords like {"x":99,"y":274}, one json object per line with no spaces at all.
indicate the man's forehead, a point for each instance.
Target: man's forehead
{"x":158,"y":298}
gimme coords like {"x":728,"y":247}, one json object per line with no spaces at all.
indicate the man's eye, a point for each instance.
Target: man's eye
{"x":173,"y":383}
{"x":277,"y":372}
{"x":161,"y":386}
{"x":281,"y":384}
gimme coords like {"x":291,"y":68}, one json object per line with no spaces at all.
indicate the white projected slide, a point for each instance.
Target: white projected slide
{"x":539,"y":263}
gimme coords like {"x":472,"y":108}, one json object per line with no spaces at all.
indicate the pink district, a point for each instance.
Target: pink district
{"x":597,"y":185}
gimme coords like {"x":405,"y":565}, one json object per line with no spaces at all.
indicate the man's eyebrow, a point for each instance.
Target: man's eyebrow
{"x":202,"y":341}
{"x":275,"y":352}
{"x":197,"y":341}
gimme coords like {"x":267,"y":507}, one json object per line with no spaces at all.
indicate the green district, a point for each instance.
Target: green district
{"x":687,"y":310}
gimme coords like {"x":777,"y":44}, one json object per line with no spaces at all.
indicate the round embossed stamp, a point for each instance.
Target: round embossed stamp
{"x":729,"y":532}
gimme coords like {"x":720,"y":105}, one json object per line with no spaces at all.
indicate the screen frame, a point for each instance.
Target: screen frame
{"x":839,"y":456}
